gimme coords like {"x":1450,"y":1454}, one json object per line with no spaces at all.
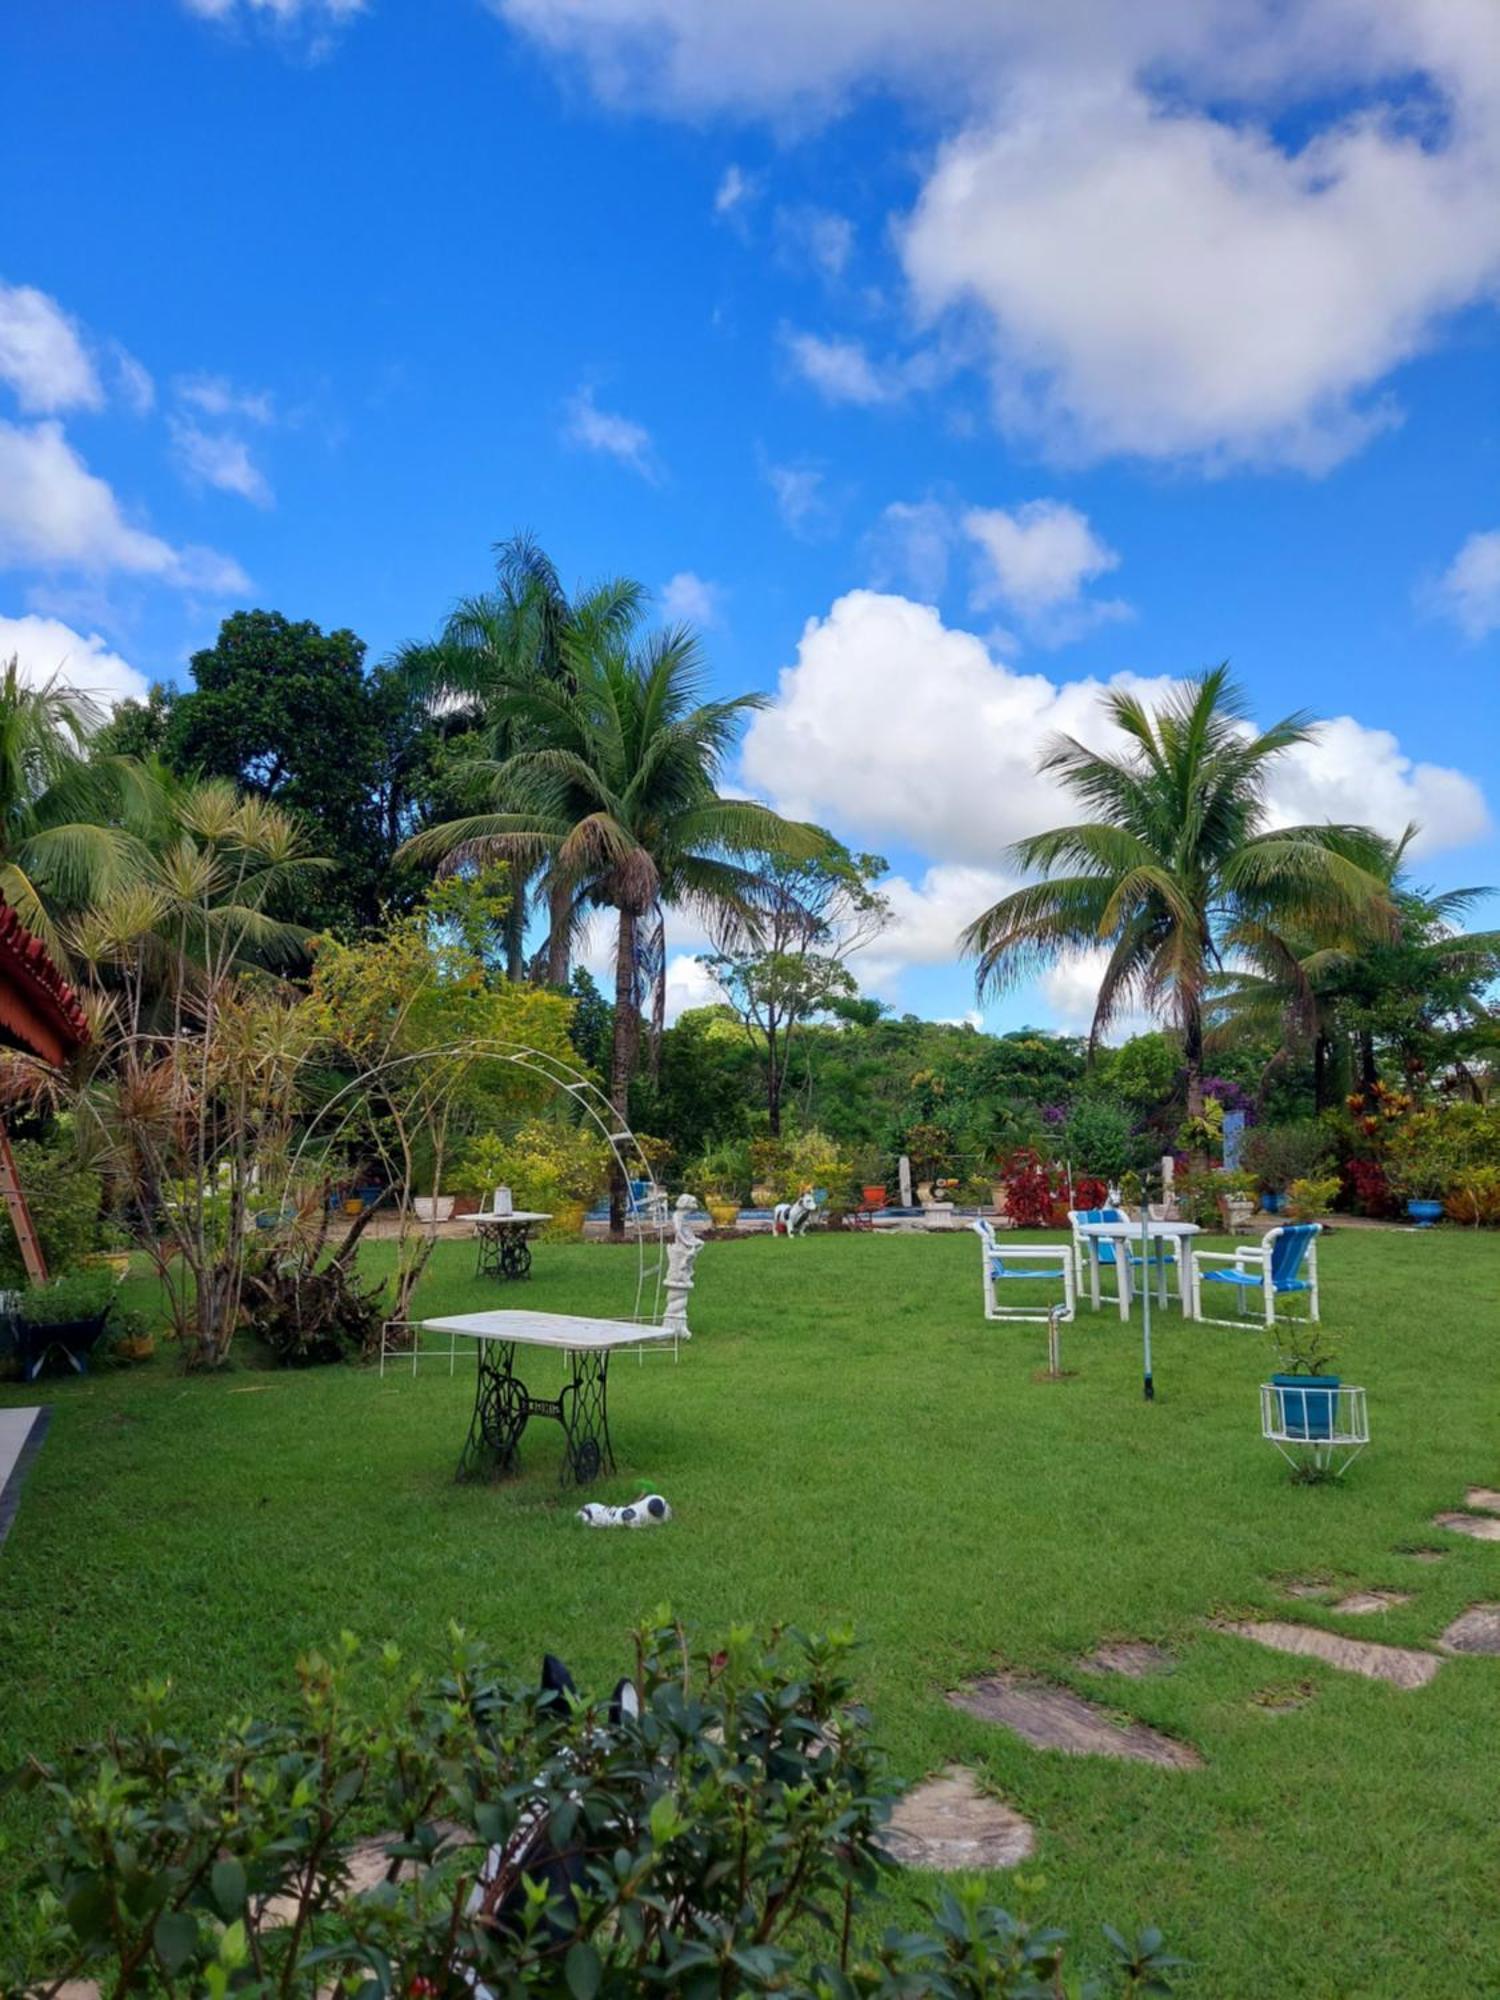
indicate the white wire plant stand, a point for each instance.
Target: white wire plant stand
{"x":1318,"y":1428}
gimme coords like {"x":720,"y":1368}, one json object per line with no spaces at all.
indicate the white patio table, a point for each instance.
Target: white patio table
{"x":503,"y":1405}
{"x":504,"y":1251}
{"x":1126,"y":1237}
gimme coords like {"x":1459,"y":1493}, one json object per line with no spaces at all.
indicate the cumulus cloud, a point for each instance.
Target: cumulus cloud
{"x":817,"y":237}
{"x":222,"y":460}
{"x":1162,"y":270}
{"x":690,"y":599}
{"x":908,"y":547}
{"x":216,"y":396}
{"x":316,"y":17}
{"x":735,"y":191}
{"x":42,"y":354}
{"x":909,"y":731}
{"x":1468,"y":591}
{"x":592,"y":429}
{"x":56,"y":514}
{"x":800,"y":495}
{"x":1035,"y":561}
{"x":840,"y":370}
{"x":133,"y":380}
{"x":46,"y":647}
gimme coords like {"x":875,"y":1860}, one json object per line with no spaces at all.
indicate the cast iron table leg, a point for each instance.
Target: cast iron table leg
{"x":501,"y":1407}
{"x":583,"y":1410}
{"x":515,"y":1252}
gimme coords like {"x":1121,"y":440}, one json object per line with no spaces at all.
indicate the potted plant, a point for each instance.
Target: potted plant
{"x":1310,"y":1198}
{"x":1236,"y":1199}
{"x":133,"y":1338}
{"x":719,"y":1177}
{"x":1420,"y":1168}
{"x":1306,"y":1381}
{"x":1277,"y":1155}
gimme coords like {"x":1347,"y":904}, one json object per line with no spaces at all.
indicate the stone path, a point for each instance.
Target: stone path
{"x":1485,"y":1498}
{"x":1476,"y":1630}
{"x":1478,"y":1527}
{"x":1137,"y":1659}
{"x":1400,"y":1666}
{"x":1053,"y":1718}
{"x":949,"y":1824}
{"x":21,"y":1434}
{"x":1360,"y":1603}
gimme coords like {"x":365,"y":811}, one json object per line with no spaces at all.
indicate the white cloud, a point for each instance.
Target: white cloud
{"x":897,"y":728}
{"x":1468,"y":591}
{"x":219,"y":459}
{"x":1070,"y":989}
{"x":840,"y":370}
{"x":283,"y":13}
{"x":1035,"y":561}
{"x":133,"y":380}
{"x":926,"y":918}
{"x":217,"y":396}
{"x":45,"y":646}
{"x":908,"y":547}
{"x":593,"y":429}
{"x":1162,"y":270}
{"x":690,"y":599}
{"x":801,"y":499}
{"x":56,"y":514}
{"x":42,"y":355}
{"x":736,"y":188}
{"x":818,"y":237}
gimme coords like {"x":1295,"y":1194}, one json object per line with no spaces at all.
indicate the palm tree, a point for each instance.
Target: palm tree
{"x":617,"y":789}
{"x":64,"y":841}
{"x":527,"y":628}
{"x":1177,"y":863}
{"x":1404,"y":975}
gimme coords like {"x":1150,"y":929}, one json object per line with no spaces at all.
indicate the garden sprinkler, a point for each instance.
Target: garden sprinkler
{"x":1054,"y":1344}
{"x":1147,"y":1384}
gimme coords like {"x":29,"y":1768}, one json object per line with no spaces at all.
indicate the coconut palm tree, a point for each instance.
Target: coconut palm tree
{"x":616,"y":790}
{"x":1403,"y":973}
{"x":527,"y":628}
{"x":64,"y":838}
{"x":1175,"y":864}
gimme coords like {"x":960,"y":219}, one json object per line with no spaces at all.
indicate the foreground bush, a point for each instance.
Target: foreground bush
{"x":540,"y":1846}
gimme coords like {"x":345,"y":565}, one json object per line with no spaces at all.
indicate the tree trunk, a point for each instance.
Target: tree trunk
{"x":559,"y":909}
{"x":515,"y":926}
{"x":1369,"y":1072}
{"x":773,"y":1082}
{"x":622,"y":1058}
{"x":1192,"y":1049}
{"x":1320,"y":1073}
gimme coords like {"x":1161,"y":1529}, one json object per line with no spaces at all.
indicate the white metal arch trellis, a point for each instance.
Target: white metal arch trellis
{"x":646,"y":1221}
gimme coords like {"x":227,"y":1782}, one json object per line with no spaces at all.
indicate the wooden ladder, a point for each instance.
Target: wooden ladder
{"x":20,"y":1215}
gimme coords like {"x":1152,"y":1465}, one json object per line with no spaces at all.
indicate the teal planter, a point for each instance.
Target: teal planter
{"x":1271,"y":1203}
{"x":1425,"y":1213}
{"x":1308,"y":1404}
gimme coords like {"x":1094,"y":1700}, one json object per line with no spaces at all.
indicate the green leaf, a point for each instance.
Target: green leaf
{"x":175,"y":1935}
{"x":229,"y":1887}
{"x":582,"y":1970}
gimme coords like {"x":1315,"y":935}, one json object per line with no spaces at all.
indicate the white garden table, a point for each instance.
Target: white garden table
{"x":1126,"y":1237}
{"x":503,"y":1405}
{"x":504,"y":1251}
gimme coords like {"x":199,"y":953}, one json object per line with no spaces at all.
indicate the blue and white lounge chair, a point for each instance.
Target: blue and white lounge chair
{"x":1032,"y":1262}
{"x":1284,"y":1267}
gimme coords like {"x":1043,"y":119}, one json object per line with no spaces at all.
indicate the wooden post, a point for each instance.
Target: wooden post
{"x":20,"y":1215}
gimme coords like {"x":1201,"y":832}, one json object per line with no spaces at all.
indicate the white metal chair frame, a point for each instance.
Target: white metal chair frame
{"x":1243,"y":1259}
{"x":393,"y":1350}
{"x":1055,"y":1255}
{"x":1089,"y":1252}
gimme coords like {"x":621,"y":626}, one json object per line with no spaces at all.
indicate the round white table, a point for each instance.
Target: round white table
{"x":1127,"y":1236}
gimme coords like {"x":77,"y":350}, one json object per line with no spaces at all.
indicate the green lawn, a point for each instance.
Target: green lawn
{"x":846,"y":1440}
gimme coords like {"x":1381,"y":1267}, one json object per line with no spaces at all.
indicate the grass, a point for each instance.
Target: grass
{"x":846,"y":1440}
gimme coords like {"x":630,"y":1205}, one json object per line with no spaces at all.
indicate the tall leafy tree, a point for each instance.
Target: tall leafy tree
{"x":528,"y":628}
{"x":1175,"y":864}
{"x":64,"y":837}
{"x":617,"y":790}
{"x":285,"y":710}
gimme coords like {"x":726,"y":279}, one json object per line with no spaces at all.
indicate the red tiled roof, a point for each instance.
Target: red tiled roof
{"x":38,"y":1008}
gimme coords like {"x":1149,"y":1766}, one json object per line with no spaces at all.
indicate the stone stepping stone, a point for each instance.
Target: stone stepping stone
{"x":1485,"y":1498}
{"x":1478,"y":1527}
{"x":1399,"y":1666}
{"x":1476,"y":1630}
{"x":1284,"y":1698}
{"x":1053,"y":1718}
{"x":947,"y":1823}
{"x":1424,"y":1555}
{"x":1360,"y":1603}
{"x":1310,"y":1589}
{"x":1137,"y":1659}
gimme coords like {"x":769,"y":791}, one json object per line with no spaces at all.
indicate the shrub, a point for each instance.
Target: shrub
{"x":707,"y":1846}
{"x":1437,"y":1153}
{"x":1368,"y":1188}
{"x":544,"y":1164}
{"x":812,"y":1159}
{"x":63,"y":1197}
{"x":1279,"y":1154}
{"x":1029,"y":1200}
{"x":723,"y":1173}
{"x":1476,"y":1197}
{"x":1308,"y":1200}
{"x":1099,"y":1138}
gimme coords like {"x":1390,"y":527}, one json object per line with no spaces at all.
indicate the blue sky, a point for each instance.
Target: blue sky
{"x":950,"y":364}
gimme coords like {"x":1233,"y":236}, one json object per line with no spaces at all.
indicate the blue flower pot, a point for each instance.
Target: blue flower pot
{"x":1271,"y":1203}
{"x":1425,"y":1213}
{"x":1308,"y":1403}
